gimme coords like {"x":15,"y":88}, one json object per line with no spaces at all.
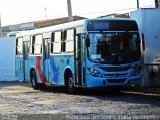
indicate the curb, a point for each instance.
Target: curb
{"x":150,"y":90}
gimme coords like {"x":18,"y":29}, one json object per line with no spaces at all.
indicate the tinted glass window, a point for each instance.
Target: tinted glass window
{"x":112,"y":25}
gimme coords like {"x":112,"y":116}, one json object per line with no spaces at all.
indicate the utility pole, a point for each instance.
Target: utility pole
{"x":45,"y":10}
{"x":137,"y":4}
{"x":70,"y":17}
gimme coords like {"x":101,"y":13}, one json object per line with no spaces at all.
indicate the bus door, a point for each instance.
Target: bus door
{"x":25,"y":60}
{"x":19,"y":58}
{"x":78,"y":60}
{"x":46,"y":54}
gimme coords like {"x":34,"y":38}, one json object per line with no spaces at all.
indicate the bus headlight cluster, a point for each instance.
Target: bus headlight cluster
{"x":136,"y":70}
{"x":94,"y":72}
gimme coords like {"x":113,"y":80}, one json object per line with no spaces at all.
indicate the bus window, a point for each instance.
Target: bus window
{"x":69,"y":41}
{"x":52,"y":42}
{"x":31,"y":44}
{"x":37,"y":45}
{"x":19,"y":46}
{"x":64,"y":37}
{"x":57,"y":43}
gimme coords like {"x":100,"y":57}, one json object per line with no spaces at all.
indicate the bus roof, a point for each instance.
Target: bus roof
{"x":52,"y":28}
{"x":64,"y":26}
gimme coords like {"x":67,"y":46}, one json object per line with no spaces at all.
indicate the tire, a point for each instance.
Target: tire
{"x":33,"y":80}
{"x":70,"y":84}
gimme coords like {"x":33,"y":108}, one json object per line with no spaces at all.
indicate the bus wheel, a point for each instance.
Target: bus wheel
{"x":70,"y":84}
{"x":34,"y":80}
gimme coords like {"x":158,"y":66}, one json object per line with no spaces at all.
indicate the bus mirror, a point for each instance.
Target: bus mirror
{"x":143,"y":42}
{"x":87,"y":42}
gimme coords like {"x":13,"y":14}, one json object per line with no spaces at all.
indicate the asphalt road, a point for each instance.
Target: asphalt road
{"x":18,"y":101}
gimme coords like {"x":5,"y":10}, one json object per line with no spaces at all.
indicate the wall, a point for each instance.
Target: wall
{"x":7,"y":59}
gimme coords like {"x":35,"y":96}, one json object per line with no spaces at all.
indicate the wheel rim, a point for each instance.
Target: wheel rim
{"x":71,"y":88}
{"x":70,"y":82}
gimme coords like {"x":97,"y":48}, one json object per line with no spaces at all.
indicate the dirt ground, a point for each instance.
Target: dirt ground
{"x":18,"y":101}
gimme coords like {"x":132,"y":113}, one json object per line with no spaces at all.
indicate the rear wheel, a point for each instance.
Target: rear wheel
{"x":34,"y":83}
{"x":33,"y":80}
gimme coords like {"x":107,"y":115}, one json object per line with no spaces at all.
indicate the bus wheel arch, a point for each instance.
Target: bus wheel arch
{"x":69,"y":81}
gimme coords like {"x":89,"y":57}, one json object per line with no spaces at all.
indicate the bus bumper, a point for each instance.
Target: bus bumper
{"x":104,"y":82}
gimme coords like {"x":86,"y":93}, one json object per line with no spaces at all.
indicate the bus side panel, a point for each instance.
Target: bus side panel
{"x":54,"y":69}
{"x":58,"y":64}
{"x":46,"y":69}
{"x":36,"y":63}
{"x":19,"y":67}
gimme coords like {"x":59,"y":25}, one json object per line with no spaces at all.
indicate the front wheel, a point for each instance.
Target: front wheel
{"x":70,"y":84}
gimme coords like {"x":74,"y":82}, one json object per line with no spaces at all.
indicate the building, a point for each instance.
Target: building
{"x":35,"y":24}
{"x":115,"y":15}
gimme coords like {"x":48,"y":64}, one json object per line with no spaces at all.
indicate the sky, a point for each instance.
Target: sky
{"x":21,"y":11}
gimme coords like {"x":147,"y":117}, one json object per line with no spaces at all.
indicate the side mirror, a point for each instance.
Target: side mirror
{"x":143,"y":41}
{"x":87,"y":42}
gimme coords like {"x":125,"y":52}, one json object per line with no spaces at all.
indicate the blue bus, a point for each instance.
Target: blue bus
{"x":88,"y":53}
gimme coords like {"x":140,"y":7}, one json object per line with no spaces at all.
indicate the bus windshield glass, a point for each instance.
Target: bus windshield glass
{"x":114,"y":47}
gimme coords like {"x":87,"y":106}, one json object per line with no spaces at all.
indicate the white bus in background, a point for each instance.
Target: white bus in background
{"x":148,"y":21}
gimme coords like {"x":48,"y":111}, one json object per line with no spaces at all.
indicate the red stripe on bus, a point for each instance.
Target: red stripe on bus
{"x":38,"y":67}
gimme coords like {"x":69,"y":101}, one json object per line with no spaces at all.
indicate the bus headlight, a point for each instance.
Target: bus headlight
{"x":94,"y":72}
{"x":136,"y":70}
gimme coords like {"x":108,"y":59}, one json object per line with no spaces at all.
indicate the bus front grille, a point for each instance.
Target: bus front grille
{"x":116,"y":74}
{"x":115,"y":69}
{"x":116,"y":80}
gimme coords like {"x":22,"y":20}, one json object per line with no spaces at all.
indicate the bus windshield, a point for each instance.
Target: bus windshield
{"x":114,"y":47}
